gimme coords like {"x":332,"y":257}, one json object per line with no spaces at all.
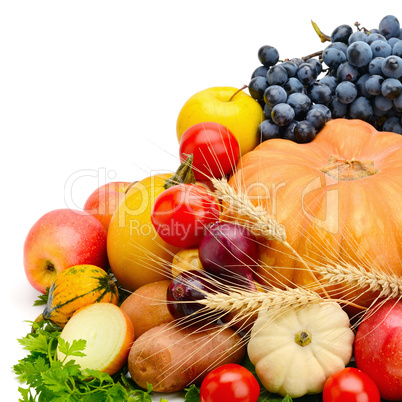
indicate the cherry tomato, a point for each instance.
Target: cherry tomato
{"x":230,"y":382}
{"x":215,"y":150}
{"x":350,"y":385}
{"x":181,"y":214}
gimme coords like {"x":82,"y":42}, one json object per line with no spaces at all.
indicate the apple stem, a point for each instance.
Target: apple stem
{"x":239,"y":90}
{"x":127,"y":188}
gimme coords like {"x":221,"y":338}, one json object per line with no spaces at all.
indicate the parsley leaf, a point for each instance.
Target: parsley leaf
{"x":72,"y":350}
{"x":192,"y":394}
{"x":48,"y":379}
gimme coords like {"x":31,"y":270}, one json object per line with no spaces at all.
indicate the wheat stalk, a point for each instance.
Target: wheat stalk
{"x":388,"y":285}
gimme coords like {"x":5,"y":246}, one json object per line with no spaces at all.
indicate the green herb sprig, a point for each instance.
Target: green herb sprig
{"x":49,"y":379}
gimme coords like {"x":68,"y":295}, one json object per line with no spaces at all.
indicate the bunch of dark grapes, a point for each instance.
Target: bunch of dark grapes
{"x":357,"y":76}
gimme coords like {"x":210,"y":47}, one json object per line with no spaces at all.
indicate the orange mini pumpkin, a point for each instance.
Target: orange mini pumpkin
{"x":338,"y":197}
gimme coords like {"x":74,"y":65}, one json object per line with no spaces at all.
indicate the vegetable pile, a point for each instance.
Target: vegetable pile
{"x":266,"y":268}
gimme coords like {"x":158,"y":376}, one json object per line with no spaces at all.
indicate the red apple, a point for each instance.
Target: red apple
{"x":378,"y":348}
{"x":60,"y":239}
{"x":104,"y":200}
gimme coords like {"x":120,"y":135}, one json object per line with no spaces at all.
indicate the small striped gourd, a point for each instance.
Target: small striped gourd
{"x":76,"y":287}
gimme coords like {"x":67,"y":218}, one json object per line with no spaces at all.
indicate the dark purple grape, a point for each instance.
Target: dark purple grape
{"x":397,"y":48}
{"x":275,"y":94}
{"x":293,"y":85}
{"x":267,"y":111}
{"x":373,"y":84}
{"x":381,"y":48}
{"x":277,"y":75}
{"x":341,"y":33}
{"x":361,"y":85}
{"x":300,"y":103}
{"x":343,"y":47}
{"x":268,"y":130}
{"x":324,"y":110}
{"x":347,"y":72}
{"x":397,"y":104}
{"x":317,"y":118}
{"x":307,"y":74}
{"x":391,"y":88}
{"x":317,"y":65}
{"x":268,"y":55}
{"x":304,"y":132}
{"x":260,"y":71}
{"x":359,"y":54}
{"x":356,"y":36}
{"x":319,"y":93}
{"x":297,"y":61}
{"x":257,"y":87}
{"x":333,"y":57}
{"x":282,"y":114}
{"x":361,"y":109}
{"x":229,"y":251}
{"x":389,"y":26}
{"x":392,"y":66}
{"x":338,"y":109}
{"x":289,"y":131}
{"x":189,"y":286}
{"x":346,"y":92}
{"x":375,"y":36}
{"x":331,"y":81}
{"x":392,"y":42}
{"x":375,"y":65}
{"x":290,"y":67}
{"x":393,"y":125}
{"x":382,"y":103}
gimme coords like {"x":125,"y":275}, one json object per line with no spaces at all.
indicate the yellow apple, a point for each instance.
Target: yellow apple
{"x":232,"y":108}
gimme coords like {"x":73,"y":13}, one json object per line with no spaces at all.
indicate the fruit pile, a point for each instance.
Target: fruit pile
{"x":357,"y":76}
{"x":252,"y":272}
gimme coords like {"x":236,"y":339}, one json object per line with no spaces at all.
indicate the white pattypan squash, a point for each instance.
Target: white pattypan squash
{"x":296,"y":350}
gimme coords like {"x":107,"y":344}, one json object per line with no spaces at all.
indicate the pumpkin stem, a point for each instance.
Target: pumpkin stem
{"x":184,"y":174}
{"x":303,"y":338}
{"x":348,"y":170}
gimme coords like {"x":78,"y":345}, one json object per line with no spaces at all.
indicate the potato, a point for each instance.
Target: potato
{"x":171,"y":357}
{"x":147,"y":306}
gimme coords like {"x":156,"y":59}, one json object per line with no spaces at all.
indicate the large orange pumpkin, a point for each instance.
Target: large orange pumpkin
{"x":338,"y":197}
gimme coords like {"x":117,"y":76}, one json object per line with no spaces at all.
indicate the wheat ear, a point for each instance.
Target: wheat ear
{"x":388,"y":285}
{"x":248,"y":303}
{"x":257,"y":220}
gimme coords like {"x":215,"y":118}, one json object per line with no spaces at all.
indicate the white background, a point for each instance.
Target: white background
{"x":91,"y":90}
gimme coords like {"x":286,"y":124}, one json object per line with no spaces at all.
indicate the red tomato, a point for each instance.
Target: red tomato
{"x":215,"y":150}
{"x":350,"y":385}
{"x":181,"y":214}
{"x":230,"y":382}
